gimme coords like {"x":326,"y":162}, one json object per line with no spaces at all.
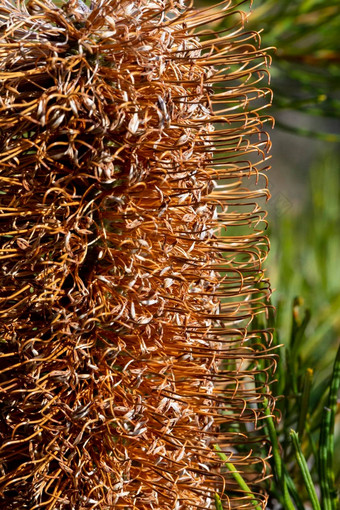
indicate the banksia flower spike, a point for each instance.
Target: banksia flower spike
{"x":132,"y":150}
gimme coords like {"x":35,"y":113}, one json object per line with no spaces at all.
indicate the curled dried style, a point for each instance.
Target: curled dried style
{"x":131,"y":250}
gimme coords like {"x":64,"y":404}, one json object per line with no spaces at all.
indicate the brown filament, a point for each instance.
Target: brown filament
{"x":131,"y":245}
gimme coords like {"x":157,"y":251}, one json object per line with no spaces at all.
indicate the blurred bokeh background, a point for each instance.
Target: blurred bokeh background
{"x":304,"y":213}
{"x":304,"y":220}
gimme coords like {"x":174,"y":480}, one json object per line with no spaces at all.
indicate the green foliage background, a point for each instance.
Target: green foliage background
{"x":305,"y":70}
{"x":304,"y":262}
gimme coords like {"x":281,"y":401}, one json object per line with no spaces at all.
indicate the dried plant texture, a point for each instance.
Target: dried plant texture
{"x":131,"y":247}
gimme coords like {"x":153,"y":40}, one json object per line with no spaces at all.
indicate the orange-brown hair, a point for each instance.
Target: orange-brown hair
{"x":132,"y":155}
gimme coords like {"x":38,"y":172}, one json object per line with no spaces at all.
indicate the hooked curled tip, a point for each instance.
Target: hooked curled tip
{"x":132,"y":250}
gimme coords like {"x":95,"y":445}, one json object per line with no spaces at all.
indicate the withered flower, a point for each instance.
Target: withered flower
{"x":132,"y":150}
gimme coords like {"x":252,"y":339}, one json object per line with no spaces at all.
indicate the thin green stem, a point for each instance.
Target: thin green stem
{"x":237,"y":476}
{"x":281,"y":478}
{"x":300,"y":459}
{"x":218,"y":502}
{"x":293,"y":491}
{"x":274,"y":440}
{"x":326,"y":444}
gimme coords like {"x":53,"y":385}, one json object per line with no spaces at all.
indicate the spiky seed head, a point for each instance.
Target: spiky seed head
{"x":132,"y":251}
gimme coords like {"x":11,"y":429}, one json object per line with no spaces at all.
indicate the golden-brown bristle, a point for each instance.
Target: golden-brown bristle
{"x":133,"y":158}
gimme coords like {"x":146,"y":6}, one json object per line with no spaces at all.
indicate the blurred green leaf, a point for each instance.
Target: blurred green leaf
{"x":326,"y":445}
{"x":305,"y":70}
{"x":305,"y":471}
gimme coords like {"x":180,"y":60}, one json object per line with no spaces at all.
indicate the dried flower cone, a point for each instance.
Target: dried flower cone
{"x":131,"y":253}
